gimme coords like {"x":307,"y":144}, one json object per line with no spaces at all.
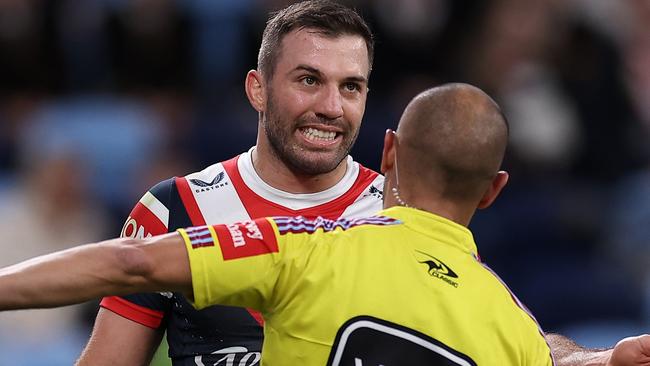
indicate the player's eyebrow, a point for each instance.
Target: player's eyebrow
{"x":317,"y":72}
{"x":309,"y":69}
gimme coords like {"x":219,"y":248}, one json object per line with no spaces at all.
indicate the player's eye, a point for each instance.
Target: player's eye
{"x":352,"y":87}
{"x":309,"y":80}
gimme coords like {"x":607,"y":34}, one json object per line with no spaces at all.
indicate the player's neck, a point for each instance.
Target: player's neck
{"x":276,"y":174}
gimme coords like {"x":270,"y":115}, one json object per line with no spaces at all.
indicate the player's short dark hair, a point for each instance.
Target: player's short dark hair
{"x":328,"y":18}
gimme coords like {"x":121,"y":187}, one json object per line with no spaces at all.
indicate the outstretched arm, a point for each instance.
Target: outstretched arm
{"x":632,"y":351}
{"x":112,"y":267}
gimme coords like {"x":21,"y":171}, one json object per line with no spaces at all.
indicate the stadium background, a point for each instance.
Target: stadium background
{"x":100,"y":99}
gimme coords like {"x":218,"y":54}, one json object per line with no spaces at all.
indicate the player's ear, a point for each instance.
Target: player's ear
{"x":494,"y":189}
{"x":388,"y":154}
{"x":255,"y":90}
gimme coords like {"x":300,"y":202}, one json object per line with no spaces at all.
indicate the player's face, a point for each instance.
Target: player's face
{"x":316,"y":100}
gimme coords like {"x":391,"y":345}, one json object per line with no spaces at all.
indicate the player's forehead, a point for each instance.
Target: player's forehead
{"x":344,"y":56}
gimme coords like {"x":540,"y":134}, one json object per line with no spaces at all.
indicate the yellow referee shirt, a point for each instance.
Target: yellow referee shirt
{"x":404,"y":287}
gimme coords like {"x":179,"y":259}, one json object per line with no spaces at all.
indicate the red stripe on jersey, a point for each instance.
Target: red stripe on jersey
{"x":257,"y":316}
{"x":246,"y":239}
{"x":139,"y":314}
{"x":142,"y":223}
{"x":257,"y":206}
{"x":189,"y":202}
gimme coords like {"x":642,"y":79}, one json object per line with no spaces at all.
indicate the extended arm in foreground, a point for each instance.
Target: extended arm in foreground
{"x":113,"y":267}
{"x":632,"y":351}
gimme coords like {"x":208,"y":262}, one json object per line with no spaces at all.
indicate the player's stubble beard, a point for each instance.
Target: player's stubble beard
{"x":280,"y":134}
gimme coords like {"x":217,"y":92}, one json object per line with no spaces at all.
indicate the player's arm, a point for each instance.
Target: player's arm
{"x":114,"y":267}
{"x":633,"y":351}
{"x":116,"y":340}
{"x":128,"y":330}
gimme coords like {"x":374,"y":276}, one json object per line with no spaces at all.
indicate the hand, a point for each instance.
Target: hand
{"x":631,"y":351}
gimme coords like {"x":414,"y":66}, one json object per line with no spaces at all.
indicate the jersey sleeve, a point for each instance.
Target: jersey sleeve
{"x":543,"y":354}
{"x":530,"y":338}
{"x":149,"y":217}
{"x":538,"y":351}
{"x":237,"y":264}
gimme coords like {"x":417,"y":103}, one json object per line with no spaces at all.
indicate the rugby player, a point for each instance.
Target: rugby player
{"x":405,"y":286}
{"x":310,"y":91}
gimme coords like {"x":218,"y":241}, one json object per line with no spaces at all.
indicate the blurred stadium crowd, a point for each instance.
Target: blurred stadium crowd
{"x":100,"y":99}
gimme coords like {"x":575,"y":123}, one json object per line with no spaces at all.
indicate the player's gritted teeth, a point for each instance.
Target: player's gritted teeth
{"x":319,"y":136}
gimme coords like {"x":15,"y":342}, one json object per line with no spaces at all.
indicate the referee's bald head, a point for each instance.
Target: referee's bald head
{"x":452,"y":141}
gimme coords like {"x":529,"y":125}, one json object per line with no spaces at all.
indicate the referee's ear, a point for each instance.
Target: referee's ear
{"x":255,"y":90}
{"x":388,"y":153}
{"x":491,"y":194}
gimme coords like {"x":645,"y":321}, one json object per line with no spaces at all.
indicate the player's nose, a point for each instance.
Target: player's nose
{"x":330,"y":105}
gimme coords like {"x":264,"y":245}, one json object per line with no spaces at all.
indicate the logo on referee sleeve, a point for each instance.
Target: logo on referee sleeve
{"x":246,"y":239}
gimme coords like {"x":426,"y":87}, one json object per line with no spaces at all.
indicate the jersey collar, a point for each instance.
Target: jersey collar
{"x":294,"y":201}
{"x":435,"y":226}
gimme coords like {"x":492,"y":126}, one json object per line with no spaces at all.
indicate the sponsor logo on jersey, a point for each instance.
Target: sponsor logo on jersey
{"x":239,"y":237}
{"x":208,"y":186}
{"x":436,"y":268}
{"x":376,"y":192}
{"x":230,"y":356}
{"x":149,"y":217}
{"x":133,"y":230}
{"x":246,"y":239}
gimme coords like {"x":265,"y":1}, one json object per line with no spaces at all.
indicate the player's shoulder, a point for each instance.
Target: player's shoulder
{"x":208,"y":176}
{"x":370,"y":179}
{"x":214,"y":176}
{"x":365,"y":196}
{"x":150,"y":215}
{"x":367,"y":175}
{"x":166,"y":190}
{"x":166,"y":198}
{"x":162,"y":189}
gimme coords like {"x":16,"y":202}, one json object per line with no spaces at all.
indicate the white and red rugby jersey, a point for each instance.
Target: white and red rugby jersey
{"x":229,"y":191}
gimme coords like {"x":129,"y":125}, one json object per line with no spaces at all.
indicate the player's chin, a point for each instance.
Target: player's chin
{"x":315,"y":162}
